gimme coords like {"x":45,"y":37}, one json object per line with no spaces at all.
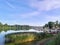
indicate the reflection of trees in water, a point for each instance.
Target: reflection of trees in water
{"x":6,"y":27}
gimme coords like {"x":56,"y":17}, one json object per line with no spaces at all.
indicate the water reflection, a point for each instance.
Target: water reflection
{"x":2,"y":38}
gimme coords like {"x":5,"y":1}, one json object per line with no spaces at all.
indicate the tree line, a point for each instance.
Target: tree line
{"x":6,"y":27}
{"x":52,"y":25}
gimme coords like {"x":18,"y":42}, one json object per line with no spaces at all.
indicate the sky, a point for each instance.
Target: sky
{"x":29,"y":12}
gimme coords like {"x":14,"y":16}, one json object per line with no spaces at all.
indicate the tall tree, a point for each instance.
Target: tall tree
{"x":46,"y":25}
{"x":50,"y":25}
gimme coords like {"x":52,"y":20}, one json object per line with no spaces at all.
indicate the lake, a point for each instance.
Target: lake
{"x":2,"y":38}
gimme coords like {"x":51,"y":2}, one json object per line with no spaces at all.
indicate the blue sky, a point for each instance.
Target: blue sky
{"x":29,"y":12}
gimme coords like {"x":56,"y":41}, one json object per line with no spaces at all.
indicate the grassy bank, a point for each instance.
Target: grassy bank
{"x":17,"y":39}
{"x":22,"y":39}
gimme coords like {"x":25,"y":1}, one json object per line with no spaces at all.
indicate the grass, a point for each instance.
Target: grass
{"x":55,"y":41}
{"x":20,"y":38}
{"x":25,"y":38}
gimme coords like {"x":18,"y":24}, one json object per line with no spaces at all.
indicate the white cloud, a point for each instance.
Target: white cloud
{"x":44,"y":4}
{"x":31,"y":14}
{"x":25,"y":15}
{"x":52,"y":18}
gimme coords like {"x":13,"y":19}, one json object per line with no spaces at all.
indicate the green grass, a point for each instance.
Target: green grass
{"x":23,"y":38}
{"x":55,"y":41}
{"x":51,"y":42}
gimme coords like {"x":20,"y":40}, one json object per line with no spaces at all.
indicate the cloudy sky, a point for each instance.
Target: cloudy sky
{"x":29,"y":12}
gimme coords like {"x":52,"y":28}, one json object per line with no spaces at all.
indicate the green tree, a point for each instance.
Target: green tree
{"x":50,"y":25}
{"x":1,"y":26}
{"x":46,"y":25}
{"x":5,"y":27}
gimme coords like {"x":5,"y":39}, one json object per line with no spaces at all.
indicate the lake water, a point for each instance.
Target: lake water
{"x":2,"y":37}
